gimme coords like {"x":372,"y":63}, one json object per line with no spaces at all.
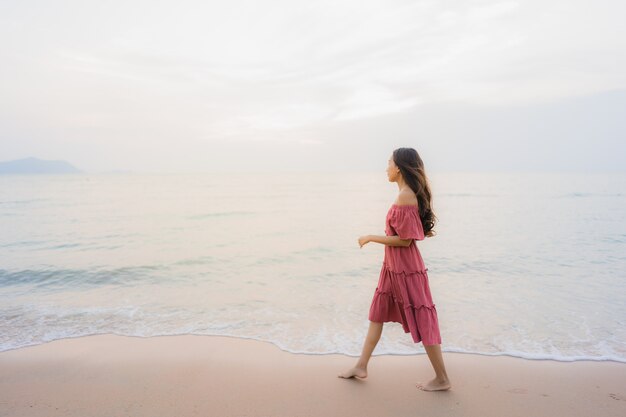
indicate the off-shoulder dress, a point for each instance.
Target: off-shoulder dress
{"x":403,"y":293}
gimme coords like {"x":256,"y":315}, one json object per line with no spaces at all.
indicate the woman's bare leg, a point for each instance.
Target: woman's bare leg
{"x":441,"y":381}
{"x":373,"y":336}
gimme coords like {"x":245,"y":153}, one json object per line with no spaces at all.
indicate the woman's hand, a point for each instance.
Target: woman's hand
{"x":363,"y":240}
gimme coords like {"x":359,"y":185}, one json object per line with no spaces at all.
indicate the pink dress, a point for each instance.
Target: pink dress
{"x":403,"y":294}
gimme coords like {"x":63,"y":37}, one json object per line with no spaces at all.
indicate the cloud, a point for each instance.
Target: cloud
{"x":373,"y":100}
{"x":493,"y":10}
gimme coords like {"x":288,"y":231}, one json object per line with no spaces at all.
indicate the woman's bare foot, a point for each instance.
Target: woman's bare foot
{"x":435,"y":384}
{"x":352,"y":372}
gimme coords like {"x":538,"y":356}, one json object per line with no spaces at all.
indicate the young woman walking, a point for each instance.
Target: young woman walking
{"x":403,"y":293}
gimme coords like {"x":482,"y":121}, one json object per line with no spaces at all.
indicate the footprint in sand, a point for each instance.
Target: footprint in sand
{"x":518,"y":390}
{"x":617,"y":397}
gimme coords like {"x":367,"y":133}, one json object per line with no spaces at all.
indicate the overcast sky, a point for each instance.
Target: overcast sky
{"x":316,"y":85}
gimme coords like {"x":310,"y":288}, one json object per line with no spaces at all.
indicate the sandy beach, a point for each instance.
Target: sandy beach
{"x":110,"y":375}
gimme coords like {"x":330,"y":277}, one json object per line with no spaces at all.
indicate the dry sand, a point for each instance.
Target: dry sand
{"x":109,"y":375}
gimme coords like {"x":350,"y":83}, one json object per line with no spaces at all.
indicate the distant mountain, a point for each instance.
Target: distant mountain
{"x":37,"y":166}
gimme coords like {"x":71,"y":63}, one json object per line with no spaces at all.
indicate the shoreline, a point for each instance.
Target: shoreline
{"x":523,"y":355}
{"x":185,"y":375}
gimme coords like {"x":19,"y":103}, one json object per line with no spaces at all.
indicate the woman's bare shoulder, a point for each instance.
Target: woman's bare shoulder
{"x":406,"y":198}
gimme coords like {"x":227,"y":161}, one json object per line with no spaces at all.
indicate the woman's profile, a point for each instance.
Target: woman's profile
{"x":403,"y":292}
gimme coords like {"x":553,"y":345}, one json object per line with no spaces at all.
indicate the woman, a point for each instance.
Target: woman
{"x":403,"y":293}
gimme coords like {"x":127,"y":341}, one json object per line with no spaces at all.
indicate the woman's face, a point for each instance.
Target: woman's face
{"x":392,"y":170}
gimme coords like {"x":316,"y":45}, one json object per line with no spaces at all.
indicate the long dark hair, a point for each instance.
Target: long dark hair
{"x":413,"y":172}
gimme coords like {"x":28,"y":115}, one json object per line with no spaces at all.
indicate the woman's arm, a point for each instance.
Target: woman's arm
{"x":385,"y":240}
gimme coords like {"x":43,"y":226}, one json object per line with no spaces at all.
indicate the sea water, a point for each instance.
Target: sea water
{"x":524,"y":264}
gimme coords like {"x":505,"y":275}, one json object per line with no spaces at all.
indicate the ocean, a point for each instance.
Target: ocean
{"x":530,"y":265}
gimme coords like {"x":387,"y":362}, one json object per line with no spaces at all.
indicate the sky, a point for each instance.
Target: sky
{"x":238,"y":86}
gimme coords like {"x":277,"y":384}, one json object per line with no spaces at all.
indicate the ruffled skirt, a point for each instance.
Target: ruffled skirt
{"x":404,"y":297}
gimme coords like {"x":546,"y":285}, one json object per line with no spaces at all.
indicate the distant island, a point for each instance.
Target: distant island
{"x":37,"y":166}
